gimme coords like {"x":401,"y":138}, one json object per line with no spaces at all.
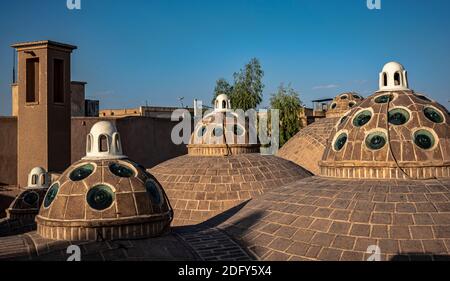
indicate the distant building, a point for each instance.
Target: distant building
{"x":145,"y":111}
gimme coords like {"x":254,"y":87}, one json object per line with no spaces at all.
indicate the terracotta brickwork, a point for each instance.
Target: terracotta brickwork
{"x":398,"y":155}
{"x":202,"y":187}
{"x":332,"y":219}
{"x":306,"y":147}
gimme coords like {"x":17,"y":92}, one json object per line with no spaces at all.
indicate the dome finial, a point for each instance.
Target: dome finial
{"x":103,"y":142}
{"x":222,"y":103}
{"x":393,"y":77}
{"x":38,"y":178}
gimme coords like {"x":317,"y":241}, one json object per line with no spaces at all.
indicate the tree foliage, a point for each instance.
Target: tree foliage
{"x":222,"y":87}
{"x":287,"y":100}
{"x":246,"y":92}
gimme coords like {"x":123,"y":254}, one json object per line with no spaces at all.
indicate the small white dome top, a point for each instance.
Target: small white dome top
{"x":103,"y":142}
{"x":38,"y":178}
{"x":222,"y":103}
{"x":393,"y":77}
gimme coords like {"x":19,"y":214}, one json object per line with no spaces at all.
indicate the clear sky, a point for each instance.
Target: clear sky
{"x":131,"y":52}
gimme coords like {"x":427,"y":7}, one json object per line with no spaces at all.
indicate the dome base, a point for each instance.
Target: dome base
{"x":103,"y":230}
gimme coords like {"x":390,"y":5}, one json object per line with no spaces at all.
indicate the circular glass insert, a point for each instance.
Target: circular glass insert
{"x":121,"y":170}
{"x":333,"y":106}
{"x":100,"y":197}
{"x":384,"y":99}
{"x":51,"y":195}
{"x":344,"y":97}
{"x":343,"y":119}
{"x":433,"y":115}
{"x":356,"y":97}
{"x":362,"y":118}
{"x":31,"y":198}
{"x":376,"y":140}
{"x":398,"y":116}
{"x":201,"y":132}
{"x":340,"y":142}
{"x":218,"y":132}
{"x":82,"y":172}
{"x":424,"y":139}
{"x":153,"y":191}
{"x":351,"y":104}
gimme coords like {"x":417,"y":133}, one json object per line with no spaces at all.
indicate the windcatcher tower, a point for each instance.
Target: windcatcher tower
{"x":44,"y":106}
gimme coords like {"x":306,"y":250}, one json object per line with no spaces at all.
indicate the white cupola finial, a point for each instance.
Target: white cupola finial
{"x":222,"y":103}
{"x":393,"y":77}
{"x":103,"y":142}
{"x":38,"y":178}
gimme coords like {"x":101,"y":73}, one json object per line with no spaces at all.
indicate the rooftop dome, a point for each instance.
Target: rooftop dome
{"x":342,"y":104}
{"x":104,"y":196}
{"x":307,"y":146}
{"x":201,"y":187}
{"x":219,"y":174}
{"x":222,"y":132}
{"x":20,"y":216}
{"x":393,"y":134}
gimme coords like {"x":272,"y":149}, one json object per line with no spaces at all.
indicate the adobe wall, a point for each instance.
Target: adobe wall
{"x":145,"y":140}
{"x":8,"y":150}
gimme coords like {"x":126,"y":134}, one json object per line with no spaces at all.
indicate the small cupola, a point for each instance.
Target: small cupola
{"x":222,"y":103}
{"x":103,"y":142}
{"x":393,"y":77}
{"x":38,"y":178}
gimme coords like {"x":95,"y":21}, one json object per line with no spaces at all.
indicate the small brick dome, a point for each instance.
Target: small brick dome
{"x":391,"y":135}
{"x":222,"y":132}
{"x":104,"y":199}
{"x":343,"y":103}
{"x":26,"y":205}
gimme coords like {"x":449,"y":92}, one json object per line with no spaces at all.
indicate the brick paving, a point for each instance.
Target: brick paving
{"x":212,"y":244}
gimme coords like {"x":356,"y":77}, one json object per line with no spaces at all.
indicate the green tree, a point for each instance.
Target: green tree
{"x":246,"y":92}
{"x":222,"y":87}
{"x":248,"y":86}
{"x":287,"y":100}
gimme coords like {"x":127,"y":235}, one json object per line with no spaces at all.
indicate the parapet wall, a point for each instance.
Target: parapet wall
{"x":8,"y":150}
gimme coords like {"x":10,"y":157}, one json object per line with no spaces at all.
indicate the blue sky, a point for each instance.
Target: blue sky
{"x":131,"y":52}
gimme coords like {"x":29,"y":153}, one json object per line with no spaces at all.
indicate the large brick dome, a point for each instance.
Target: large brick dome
{"x":201,"y":187}
{"x":394,"y":134}
{"x":337,"y":219}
